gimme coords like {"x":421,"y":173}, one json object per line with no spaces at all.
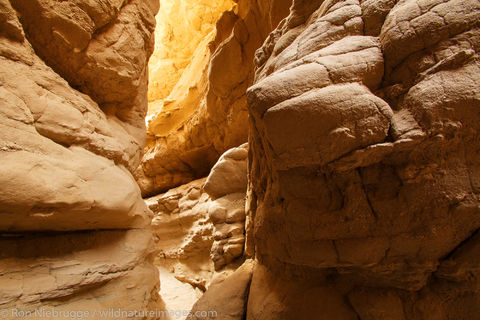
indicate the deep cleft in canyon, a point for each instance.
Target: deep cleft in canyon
{"x":240,"y":159}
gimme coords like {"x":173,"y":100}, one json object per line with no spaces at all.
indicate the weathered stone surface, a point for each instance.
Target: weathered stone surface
{"x":226,"y":298}
{"x":91,"y":271}
{"x":228,"y":217}
{"x":102,"y":49}
{"x":364,"y":159}
{"x":363,"y":190}
{"x":228,"y":175}
{"x":289,"y":298}
{"x":206,"y":113}
{"x":59,"y":144}
{"x":198,"y":237}
{"x":73,"y":96}
{"x":183,"y":233}
{"x":178,"y":296}
{"x":226,"y":185}
{"x":183,"y":32}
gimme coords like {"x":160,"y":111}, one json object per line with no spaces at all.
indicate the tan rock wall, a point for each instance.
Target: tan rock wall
{"x":183,"y":233}
{"x":73,"y":90}
{"x":88,"y":272}
{"x":364,"y":162}
{"x":184,"y":28}
{"x":199,"y":227}
{"x":206,"y":113}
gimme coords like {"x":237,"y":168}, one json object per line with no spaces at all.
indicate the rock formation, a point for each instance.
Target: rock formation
{"x":183,"y":233}
{"x":184,"y":30}
{"x":199,"y":227}
{"x":74,"y":228}
{"x":227,"y":186}
{"x":364,"y":169}
{"x":205,"y":113}
{"x":232,"y":291}
{"x":357,"y":195}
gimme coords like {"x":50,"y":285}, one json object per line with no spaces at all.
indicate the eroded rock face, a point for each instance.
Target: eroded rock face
{"x":199,"y":227}
{"x":365,"y":161}
{"x":205,"y":113}
{"x":183,"y":232}
{"x":73,"y":93}
{"x":101,"y":48}
{"x":226,"y":298}
{"x":85,"y":272}
{"x":227,"y":185}
{"x":183,"y":32}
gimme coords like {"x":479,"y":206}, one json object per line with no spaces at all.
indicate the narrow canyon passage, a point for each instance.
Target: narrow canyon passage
{"x":240,"y":159}
{"x":197,"y":112}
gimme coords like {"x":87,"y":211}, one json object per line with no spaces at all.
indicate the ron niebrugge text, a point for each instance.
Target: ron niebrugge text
{"x":52,"y":313}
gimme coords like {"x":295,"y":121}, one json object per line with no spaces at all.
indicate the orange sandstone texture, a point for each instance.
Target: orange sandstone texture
{"x":364,"y":176}
{"x":73,"y":89}
{"x":205,"y":112}
{"x":199,"y":227}
{"x":182,"y":35}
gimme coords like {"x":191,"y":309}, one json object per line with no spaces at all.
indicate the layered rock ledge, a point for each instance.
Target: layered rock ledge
{"x":74,"y":229}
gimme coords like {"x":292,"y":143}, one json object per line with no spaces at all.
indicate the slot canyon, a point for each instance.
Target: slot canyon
{"x":240,"y":159}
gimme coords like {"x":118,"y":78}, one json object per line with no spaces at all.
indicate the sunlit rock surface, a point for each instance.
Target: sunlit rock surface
{"x":183,"y":32}
{"x":199,"y":227}
{"x":205,"y":113}
{"x":227,"y":297}
{"x":73,"y":91}
{"x":357,"y":197}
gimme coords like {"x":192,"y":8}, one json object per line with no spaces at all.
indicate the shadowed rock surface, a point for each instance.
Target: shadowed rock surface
{"x":364,"y":168}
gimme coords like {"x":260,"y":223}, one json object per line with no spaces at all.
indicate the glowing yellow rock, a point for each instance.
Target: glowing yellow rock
{"x":184,"y":29}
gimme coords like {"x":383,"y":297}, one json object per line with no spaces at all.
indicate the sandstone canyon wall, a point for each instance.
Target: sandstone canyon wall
{"x":205,"y":112}
{"x":184,"y":30}
{"x":73,"y":87}
{"x":357,"y":196}
{"x":364,"y":176}
{"x":199,"y":230}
